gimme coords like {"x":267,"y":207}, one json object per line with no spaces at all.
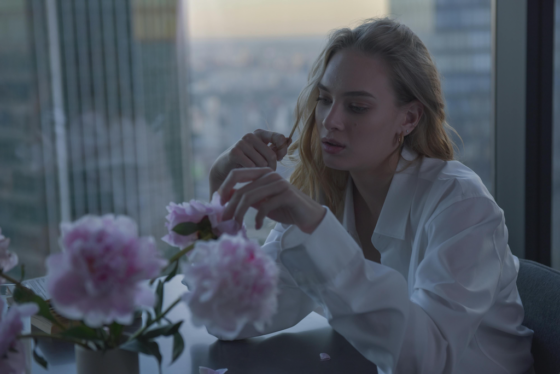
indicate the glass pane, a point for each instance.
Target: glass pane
{"x":556,"y":143}
{"x":249,"y":61}
{"x":91,"y":117}
{"x":458,"y":35}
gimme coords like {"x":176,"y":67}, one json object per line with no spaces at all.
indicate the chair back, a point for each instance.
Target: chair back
{"x":539,"y":289}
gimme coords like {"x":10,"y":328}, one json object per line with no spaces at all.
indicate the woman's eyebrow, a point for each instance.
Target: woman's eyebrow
{"x":350,"y":93}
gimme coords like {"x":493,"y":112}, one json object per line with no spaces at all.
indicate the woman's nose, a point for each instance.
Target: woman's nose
{"x":334,"y":119}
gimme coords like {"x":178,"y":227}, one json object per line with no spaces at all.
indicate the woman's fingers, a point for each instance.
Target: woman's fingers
{"x":277,"y":142}
{"x":260,"y":146}
{"x":245,"y":200}
{"x":240,"y":158}
{"x":249,"y":151}
{"x":239,"y":176}
{"x":282,"y":151}
{"x":268,"y":206}
{"x":270,"y":137}
{"x":235,"y":196}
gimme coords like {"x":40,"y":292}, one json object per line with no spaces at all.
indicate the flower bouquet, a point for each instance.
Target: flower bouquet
{"x":101,"y":280}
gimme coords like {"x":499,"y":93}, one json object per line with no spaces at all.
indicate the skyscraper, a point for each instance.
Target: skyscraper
{"x":95,"y":116}
{"x":458,"y":35}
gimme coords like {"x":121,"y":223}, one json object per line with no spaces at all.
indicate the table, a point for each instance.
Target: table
{"x":294,"y":350}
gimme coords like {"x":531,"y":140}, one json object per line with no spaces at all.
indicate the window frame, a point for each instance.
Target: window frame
{"x":523,"y":46}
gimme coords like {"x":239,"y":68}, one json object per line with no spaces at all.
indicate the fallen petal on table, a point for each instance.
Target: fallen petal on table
{"x":204,"y":370}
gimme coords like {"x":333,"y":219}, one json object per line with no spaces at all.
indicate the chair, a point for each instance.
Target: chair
{"x":539,"y":289}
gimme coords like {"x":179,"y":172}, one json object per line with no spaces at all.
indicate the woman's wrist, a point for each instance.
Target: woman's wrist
{"x":215,"y":180}
{"x":315,"y":220}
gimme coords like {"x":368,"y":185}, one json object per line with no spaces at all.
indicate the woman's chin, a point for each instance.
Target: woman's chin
{"x":334,"y":164}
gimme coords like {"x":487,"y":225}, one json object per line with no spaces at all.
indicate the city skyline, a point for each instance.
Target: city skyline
{"x":276,"y":18}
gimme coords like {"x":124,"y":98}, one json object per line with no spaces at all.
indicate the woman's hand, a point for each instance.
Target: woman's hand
{"x":257,"y":149}
{"x":272,"y":196}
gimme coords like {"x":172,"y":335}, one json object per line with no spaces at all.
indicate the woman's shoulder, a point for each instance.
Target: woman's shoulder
{"x":448,"y":182}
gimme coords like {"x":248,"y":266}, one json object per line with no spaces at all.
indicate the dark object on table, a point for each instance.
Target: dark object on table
{"x":539,"y":288}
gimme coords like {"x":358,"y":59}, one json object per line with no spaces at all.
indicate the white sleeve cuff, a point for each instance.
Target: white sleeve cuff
{"x":321,"y":255}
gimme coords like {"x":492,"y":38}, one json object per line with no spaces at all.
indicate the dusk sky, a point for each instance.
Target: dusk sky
{"x":266,"y":18}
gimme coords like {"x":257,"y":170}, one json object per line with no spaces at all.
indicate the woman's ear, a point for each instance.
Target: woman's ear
{"x":414,"y":111}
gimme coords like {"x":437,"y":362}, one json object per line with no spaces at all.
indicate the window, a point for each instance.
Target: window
{"x":458,"y":35}
{"x":250,"y":60}
{"x":123,"y":106}
{"x":91,"y":117}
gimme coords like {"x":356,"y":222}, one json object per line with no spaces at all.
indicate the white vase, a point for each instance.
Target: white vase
{"x":114,"y":361}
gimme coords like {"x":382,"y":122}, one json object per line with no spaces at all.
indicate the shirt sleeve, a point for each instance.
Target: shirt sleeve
{"x":293,"y":304}
{"x":369,"y":303}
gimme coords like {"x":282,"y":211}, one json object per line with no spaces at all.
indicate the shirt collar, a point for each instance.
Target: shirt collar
{"x":396,"y":208}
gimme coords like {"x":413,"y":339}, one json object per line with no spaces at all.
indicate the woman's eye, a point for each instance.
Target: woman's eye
{"x":323,"y":100}
{"x":358,"y":109}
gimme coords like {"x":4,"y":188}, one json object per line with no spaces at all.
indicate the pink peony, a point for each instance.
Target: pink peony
{"x":8,"y":260}
{"x":12,"y":355}
{"x":99,"y":275}
{"x":195,"y":211}
{"x":232,"y":282}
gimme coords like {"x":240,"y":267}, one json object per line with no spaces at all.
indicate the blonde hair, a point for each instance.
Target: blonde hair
{"x":413,"y":76}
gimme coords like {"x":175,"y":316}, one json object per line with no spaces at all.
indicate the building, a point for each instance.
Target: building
{"x":93,"y":116}
{"x":458,"y":35}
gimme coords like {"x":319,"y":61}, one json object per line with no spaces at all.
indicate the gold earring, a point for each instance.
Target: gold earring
{"x":401,"y":139}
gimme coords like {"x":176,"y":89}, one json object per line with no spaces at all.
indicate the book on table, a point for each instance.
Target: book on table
{"x":38,"y":286}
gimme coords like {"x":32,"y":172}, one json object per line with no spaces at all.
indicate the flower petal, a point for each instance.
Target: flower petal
{"x":98,"y":277}
{"x":205,"y":370}
{"x":231,"y":282}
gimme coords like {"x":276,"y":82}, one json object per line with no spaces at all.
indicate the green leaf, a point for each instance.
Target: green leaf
{"x":146,"y":347}
{"x":159,"y":301}
{"x":205,"y":226}
{"x":173,"y":272}
{"x":25,"y":295}
{"x":167,"y":330}
{"x":186,"y":228}
{"x":101,"y":333}
{"x":38,"y":358}
{"x":82,"y":332}
{"x":178,"y":346}
{"x":115,"y":331}
{"x":149,"y":319}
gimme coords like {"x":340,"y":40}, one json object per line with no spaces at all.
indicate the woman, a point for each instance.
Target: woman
{"x":404,"y":249}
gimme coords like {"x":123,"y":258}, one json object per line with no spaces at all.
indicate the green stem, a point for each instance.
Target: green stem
{"x":55,"y":337}
{"x":8,"y":278}
{"x":175,"y":257}
{"x":182,"y":252}
{"x":28,"y":290}
{"x":157,"y":319}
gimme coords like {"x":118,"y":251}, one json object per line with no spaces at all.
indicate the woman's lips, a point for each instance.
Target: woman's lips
{"x":331,"y":148}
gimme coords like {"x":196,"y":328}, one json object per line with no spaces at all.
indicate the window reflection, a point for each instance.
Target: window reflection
{"x":120,"y":136}
{"x":243,"y":83}
{"x":91,"y":116}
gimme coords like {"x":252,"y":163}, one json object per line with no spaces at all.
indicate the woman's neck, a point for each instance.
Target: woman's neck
{"x":373,"y":185}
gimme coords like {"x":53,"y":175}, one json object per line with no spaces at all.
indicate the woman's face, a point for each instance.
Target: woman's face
{"x":357,"y":110}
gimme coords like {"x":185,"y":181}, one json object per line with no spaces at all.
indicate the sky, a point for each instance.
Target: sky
{"x":277,"y":18}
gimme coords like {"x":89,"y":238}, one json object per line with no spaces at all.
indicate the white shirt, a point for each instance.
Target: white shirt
{"x":444,"y":297}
